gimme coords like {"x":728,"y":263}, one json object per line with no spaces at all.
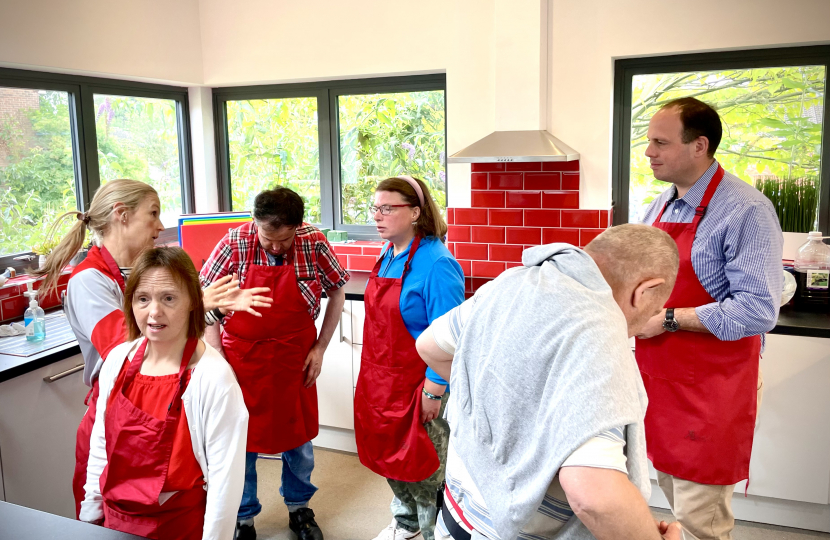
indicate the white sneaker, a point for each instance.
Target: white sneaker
{"x":394,"y":532}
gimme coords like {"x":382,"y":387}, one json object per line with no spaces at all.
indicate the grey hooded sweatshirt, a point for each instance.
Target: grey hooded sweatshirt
{"x":543,"y":365}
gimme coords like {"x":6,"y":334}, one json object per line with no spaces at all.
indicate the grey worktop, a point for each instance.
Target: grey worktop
{"x":19,"y":523}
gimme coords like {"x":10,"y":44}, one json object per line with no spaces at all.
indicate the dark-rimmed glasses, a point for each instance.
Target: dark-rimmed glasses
{"x":386,"y":209}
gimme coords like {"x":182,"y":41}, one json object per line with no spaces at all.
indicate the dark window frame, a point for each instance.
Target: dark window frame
{"x":327,"y":94}
{"x":625,"y":70}
{"x":81,"y":90}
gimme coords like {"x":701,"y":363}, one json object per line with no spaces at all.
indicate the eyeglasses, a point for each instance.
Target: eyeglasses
{"x":386,"y":209}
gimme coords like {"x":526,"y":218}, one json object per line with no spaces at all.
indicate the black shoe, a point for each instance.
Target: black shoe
{"x":301,"y":522}
{"x":244,"y":532}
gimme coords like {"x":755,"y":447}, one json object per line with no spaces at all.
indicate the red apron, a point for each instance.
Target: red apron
{"x":267,"y":354}
{"x":100,"y":259}
{"x":701,"y":390}
{"x":138,"y":455}
{"x":391,"y":440}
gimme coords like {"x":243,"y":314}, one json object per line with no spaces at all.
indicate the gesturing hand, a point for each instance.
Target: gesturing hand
{"x":247,"y":299}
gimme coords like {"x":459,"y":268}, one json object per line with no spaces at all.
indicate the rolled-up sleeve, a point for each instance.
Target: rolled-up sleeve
{"x":753,"y":246}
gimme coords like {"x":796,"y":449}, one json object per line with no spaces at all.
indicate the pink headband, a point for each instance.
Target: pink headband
{"x":411,"y":181}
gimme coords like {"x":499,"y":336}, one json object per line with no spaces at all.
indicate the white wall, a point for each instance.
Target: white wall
{"x":153,"y":40}
{"x":588,"y":35}
{"x":261,"y":41}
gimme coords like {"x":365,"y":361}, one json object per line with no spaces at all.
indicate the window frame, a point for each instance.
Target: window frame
{"x":81,"y":91}
{"x":328,"y":125}
{"x":626,"y":69}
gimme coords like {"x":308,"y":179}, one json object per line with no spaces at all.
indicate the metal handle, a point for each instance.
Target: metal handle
{"x":61,"y":375}
{"x":342,"y":337}
{"x":28,"y":258}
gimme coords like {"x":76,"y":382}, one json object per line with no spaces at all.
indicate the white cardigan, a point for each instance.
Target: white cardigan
{"x":218,"y":422}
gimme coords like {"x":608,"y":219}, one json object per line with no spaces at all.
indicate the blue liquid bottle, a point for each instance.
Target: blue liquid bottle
{"x":34,"y":319}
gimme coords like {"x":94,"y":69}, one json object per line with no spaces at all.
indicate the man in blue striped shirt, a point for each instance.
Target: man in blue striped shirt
{"x":700,"y":357}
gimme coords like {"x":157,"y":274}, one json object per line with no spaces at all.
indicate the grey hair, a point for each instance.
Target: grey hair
{"x":633,"y":253}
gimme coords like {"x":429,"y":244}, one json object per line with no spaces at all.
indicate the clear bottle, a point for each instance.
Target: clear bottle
{"x":812,"y":271}
{"x":34,"y":319}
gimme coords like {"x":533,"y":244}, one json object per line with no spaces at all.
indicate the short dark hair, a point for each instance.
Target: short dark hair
{"x":178,"y":263}
{"x":279,"y":207}
{"x":699,"y":120}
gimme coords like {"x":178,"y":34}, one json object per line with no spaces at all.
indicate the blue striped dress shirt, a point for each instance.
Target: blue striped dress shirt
{"x":736,"y":254}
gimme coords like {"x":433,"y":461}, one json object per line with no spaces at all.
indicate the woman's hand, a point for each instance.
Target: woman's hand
{"x":226,"y":295}
{"x":215,"y":294}
{"x":430,"y":408}
{"x":247,"y":299}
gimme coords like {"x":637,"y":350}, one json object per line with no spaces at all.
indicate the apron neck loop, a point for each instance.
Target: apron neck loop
{"x":138,"y":359}
{"x":113,"y":267}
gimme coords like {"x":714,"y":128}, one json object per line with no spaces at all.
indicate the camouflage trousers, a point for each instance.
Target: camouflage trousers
{"x":414,"y":503}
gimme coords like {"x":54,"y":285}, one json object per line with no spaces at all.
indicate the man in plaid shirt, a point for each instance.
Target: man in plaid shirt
{"x":278,"y":357}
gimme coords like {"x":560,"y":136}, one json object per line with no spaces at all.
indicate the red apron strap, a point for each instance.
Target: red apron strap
{"x":114,"y":269}
{"x":700,"y":211}
{"x":412,"y":249}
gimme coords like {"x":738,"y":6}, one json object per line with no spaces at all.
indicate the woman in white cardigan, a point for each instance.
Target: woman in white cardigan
{"x":167,"y":453}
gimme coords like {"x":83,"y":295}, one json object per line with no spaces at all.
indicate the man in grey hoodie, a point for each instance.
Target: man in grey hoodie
{"x":547,"y":407}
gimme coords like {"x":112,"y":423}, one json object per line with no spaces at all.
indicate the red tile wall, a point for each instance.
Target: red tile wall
{"x":515,"y":206}
{"x":362,"y":254}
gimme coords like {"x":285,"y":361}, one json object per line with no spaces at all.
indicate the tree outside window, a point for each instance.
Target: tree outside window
{"x":772,"y":120}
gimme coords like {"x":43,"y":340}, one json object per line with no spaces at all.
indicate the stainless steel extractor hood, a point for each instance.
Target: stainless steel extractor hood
{"x":516,"y":146}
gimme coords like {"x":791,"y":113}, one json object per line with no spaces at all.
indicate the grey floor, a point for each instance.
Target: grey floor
{"x":353,"y":504}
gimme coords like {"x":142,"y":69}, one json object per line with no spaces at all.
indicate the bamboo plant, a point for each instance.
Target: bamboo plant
{"x":795,"y":200}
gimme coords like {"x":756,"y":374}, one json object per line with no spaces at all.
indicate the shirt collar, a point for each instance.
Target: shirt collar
{"x":694,"y":196}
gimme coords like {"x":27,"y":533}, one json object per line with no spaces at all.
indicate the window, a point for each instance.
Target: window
{"x":37,"y":169}
{"x":62,"y":136}
{"x":772,"y":105}
{"x":138,"y":138}
{"x":332,"y":143}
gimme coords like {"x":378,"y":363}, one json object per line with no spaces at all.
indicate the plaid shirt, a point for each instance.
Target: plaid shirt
{"x":315,"y":262}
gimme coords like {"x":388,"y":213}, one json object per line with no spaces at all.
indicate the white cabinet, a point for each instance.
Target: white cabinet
{"x":791,"y":450}
{"x":38,"y":423}
{"x":335,"y":396}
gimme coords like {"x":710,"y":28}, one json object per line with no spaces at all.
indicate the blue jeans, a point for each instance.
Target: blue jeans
{"x":296,"y":488}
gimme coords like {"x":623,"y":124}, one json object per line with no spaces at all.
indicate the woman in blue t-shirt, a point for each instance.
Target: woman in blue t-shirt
{"x":399,"y":402}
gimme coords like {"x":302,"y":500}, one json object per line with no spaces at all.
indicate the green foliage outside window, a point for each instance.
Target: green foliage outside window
{"x":138,"y":139}
{"x":273,"y":142}
{"x":772,"y":120}
{"x":37,"y":177}
{"x":384,"y":135}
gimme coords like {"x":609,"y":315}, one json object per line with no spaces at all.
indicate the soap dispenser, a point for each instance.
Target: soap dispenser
{"x":34,"y":319}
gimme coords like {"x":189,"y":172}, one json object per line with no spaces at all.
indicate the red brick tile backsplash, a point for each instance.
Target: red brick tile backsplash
{"x":516,"y":206}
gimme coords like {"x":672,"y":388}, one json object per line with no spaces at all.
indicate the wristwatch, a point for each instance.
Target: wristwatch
{"x":670,"y":324}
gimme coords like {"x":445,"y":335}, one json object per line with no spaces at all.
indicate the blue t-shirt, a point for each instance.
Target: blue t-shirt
{"x":433,"y":286}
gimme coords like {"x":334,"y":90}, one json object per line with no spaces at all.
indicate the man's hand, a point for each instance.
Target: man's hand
{"x":654,"y":326}
{"x":313,"y":365}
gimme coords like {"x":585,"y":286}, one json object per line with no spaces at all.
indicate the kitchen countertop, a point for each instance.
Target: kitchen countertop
{"x":20,"y":522}
{"x":790,"y":323}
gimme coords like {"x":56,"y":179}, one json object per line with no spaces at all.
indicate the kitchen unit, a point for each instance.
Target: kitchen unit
{"x":790,"y":469}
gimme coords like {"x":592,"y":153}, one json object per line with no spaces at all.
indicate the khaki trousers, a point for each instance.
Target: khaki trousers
{"x":703,"y":509}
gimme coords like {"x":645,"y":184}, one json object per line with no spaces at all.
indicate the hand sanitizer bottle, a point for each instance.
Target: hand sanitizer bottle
{"x":34,"y":319}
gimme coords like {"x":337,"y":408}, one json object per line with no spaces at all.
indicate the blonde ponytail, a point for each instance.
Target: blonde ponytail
{"x":130,"y":193}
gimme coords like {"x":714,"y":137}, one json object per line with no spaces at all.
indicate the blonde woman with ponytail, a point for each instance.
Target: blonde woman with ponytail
{"x":399,"y":426}
{"x":124,"y":221}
